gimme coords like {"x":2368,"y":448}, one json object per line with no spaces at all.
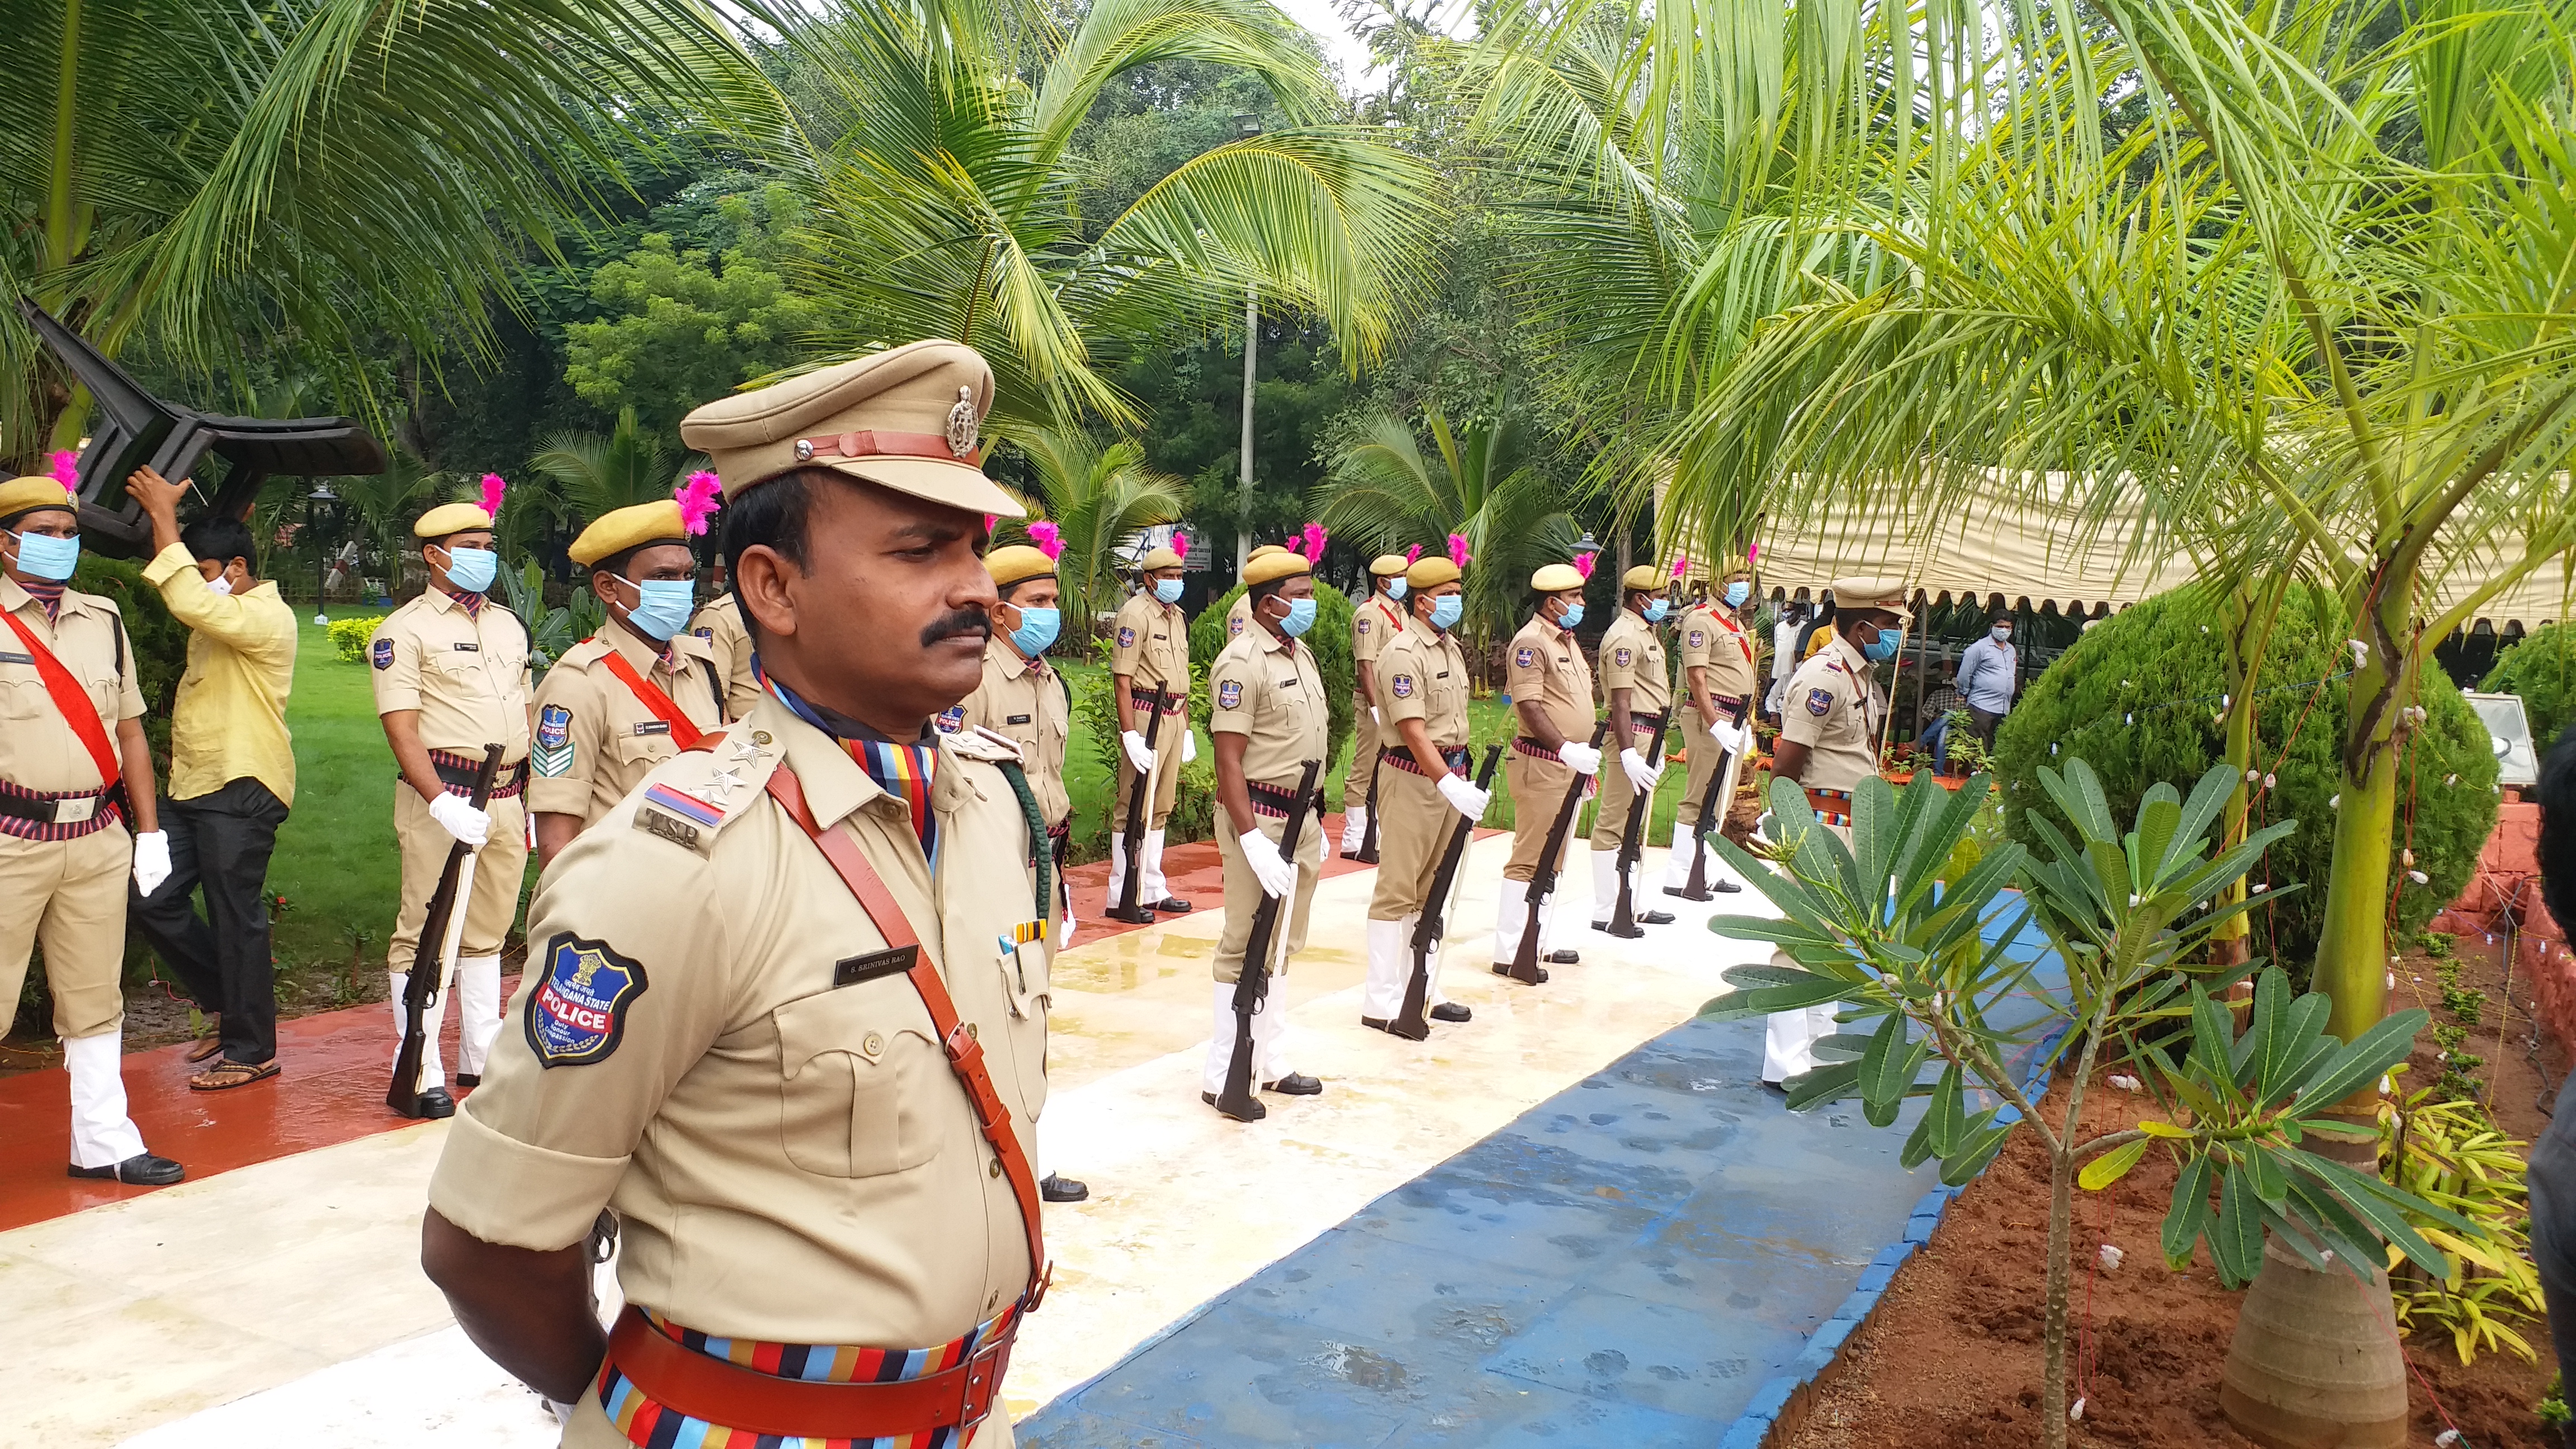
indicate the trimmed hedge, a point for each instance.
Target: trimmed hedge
{"x":2139,"y":697}
{"x":2542,"y":670}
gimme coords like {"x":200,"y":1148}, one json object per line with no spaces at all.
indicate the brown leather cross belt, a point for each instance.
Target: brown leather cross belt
{"x":727,"y":1394}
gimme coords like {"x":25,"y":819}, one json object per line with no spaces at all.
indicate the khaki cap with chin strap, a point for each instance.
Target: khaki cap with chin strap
{"x":1869,"y":591}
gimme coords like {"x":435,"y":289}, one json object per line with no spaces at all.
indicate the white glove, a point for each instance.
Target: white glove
{"x":1189,"y":746}
{"x":1463,"y":797}
{"x":1729,"y":737}
{"x":1064,"y":933}
{"x":1640,"y":774}
{"x":1139,"y":753}
{"x":151,"y":860}
{"x":1373,"y":718}
{"x":1269,"y":867}
{"x":469,"y":825}
{"x":1582,"y":758}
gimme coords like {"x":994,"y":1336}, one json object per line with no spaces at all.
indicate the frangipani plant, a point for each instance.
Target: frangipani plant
{"x":1924,"y":985}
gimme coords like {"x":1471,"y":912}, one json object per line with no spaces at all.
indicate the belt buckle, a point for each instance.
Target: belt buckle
{"x":74,"y":811}
{"x":983,"y":1382}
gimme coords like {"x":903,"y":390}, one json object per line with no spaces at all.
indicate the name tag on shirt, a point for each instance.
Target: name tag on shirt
{"x":469,"y":648}
{"x":1017,"y":719}
{"x":8,"y":658}
{"x":851,"y":970}
{"x":653,"y":727}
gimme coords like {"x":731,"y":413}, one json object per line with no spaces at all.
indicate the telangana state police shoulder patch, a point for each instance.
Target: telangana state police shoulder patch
{"x":952,"y":719}
{"x":1403,"y":686}
{"x":1698,"y":638}
{"x":381,"y":653}
{"x":1360,"y":624}
{"x":1126,"y":637}
{"x":578,"y":1013}
{"x":1820,"y":701}
{"x":1625,"y":656}
{"x":1229,"y":695}
{"x":552,"y":754}
{"x":1234,"y":627}
{"x":1525,"y":657}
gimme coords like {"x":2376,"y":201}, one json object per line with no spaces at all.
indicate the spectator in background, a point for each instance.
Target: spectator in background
{"x":232,"y":777}
{"x":2552,"y":1175}
{"x":1989,"y":675}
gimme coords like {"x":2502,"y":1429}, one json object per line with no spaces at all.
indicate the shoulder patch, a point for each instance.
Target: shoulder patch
{"x":1126,"y":636}
{"x":1233,"y":626}
{"x":1624,"y":655}
{"x":551,"y":756}
{"x":1402,"y":684}
{"x":950,"y":720}
{"x":1229,"y":694}
{"x":1698,"y":637}
{"x":1525,"y":657}
{"x":381,"y":654}
{"x":704,"y":631}
{"x":577,"y":1015}
{"x":1820,"y":701}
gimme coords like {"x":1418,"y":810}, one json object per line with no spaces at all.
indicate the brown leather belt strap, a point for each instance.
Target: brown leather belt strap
{"x":884,"y":443}
{"x":728,"y":1395}
{"x":965,"y":1053}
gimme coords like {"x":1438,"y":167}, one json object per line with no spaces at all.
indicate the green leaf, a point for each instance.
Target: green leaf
{"x":2236,"y":1238}
{"x":1829,"y":1083}
{"x":2268,"y":1047}
{"x":2189,"y":1214}
{"x":2198,"y":814}
{"x":2361,"y":1060}
{"x":2111,"y":1166}
{"x":2213,"y":1037}
{"x":1843,"y":1046}
{"x":1978,"y":1144}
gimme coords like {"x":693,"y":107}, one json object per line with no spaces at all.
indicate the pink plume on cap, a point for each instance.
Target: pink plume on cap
{"x":1048,"y":538}
{"x":1315,"y":537}
{"x":1458,"y":549}
{"x":493,"y":486}
{"x":1180,"y":543}
{"x":1412,"y":551}
{"x":1583,"y":563}
{"x":66,"y":468}
{"x":698,"y":500}
{"x":1681,"y":566}
{"x":1753,"y":552}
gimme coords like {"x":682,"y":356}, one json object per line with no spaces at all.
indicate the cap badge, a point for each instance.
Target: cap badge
{"x":962,"y":423}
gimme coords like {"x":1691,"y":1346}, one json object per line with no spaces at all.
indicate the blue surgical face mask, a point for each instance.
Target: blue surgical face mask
{"x":1038,"y":628}
{"x":43,"y":556}
{"x":1446,"y":609}
{"x":471,"y":569}
{"x":1737,"y":593}
{"x":1882,"y":648}
{"x":662,"y":606}
{"x":1654,"y":611}
{"x":2002,"y":633}
{"x":1301,"y":617}
{"x":1395,"y":588}
{"x":1168,"y":590}
{"x":1572,"y":616}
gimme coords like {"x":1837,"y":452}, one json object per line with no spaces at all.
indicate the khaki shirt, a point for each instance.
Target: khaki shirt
{"x":1376,"y":621}
{"x":766,"y":1107}
{"x":1422,"y":674}
{"x":1547,"y":666}
{"x":230,"y":721}
{"x":1024,"y":699}
{"x":38,"y":750}
{"x":1833,"y":708}
{"x":467,"y":674}
{"x":1238,"y":618}
{"x":1270,"y":692}
{"x":1150,"y":644}
{"x":719,"y":623}
{"x":1632,"y":658}
{"x":595,"y":738}
{"x":1712,"y":640}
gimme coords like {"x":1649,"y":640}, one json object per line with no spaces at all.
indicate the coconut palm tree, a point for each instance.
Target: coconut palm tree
{"x":597,"y":474}
{"x":193,"y":177}
{"x":1098,"y":497}
{"x":1384,"y":493}
{"x":944,"y":204}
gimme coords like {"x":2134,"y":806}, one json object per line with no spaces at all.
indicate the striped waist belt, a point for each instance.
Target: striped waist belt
{"x":664,"y":1384}
{"x":457,"y":773}
{"x":1144,"y":699}
{"x":1401,"y":756}
{"x":1648,"y":724}
{"x":1276,"y":801}
{"x":1524,"y":745}
{"x":1831,"y":806}
{"x":58,"y":815}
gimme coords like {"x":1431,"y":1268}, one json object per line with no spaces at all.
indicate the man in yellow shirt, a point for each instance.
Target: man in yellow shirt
{"x":232,"y":780}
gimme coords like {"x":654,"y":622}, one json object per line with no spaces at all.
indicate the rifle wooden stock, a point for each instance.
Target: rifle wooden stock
{"x":1721,"y":785}
{"x":1632,"y":841}
{"x":430,"y":959}
{"x":1128,"y":909}
{"x":1410,"y":1023}
{"x":1543,"y":879}
{"x":1252,"y":979}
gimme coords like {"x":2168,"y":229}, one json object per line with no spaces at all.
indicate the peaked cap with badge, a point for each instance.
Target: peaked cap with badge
{"x":26,"y":495}
{"x":1869,"y":591}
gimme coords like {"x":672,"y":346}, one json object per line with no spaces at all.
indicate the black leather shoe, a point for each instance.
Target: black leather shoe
{"x":1063,"y":1189}
{"x":1373,"y":1023}
{"x":1504,"y":969}
{"x":1776,"y":1088}
{"x":1655,"y":918}
{"x":469,"y":1079}
{"x":1450,"y":1011}
{"x":1295,"y":1084}
{"x":1725,"y":887}
{"x":1256,"y":1114}
{"x":1563,"y":958}
{"x":434,"y":1104}
{"x":1170,"y":906}
{"x":141,"y":1170}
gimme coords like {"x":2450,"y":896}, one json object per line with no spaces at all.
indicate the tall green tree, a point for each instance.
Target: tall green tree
{"x":1097,"y":496}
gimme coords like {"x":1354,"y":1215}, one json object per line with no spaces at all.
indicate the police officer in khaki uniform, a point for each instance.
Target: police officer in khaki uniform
{"x":1023,"y":699}
{"x":1270,"y":716}
{"x":1829,"y":723}
{"x":1717,"y":679}
{"x":1422,"y":779}
{"x":1379,"y":618}
{"x":1551,"y":688}
{"x":452,"y":676}
{"x":768,"y":991}
{"x":636,"y":693}
{"x":1639,"y":690}
{"x":719,"y":623}
{"x":76,"y":815}
{"x":1150,"y":646}
{"x":1239,"y":617}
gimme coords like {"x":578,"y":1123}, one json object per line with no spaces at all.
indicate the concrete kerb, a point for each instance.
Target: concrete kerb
{"x":1785,"y":1396}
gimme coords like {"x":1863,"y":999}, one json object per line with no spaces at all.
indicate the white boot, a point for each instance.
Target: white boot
{"x":1153,"y":887}
{"x":1390,"y":969}
{"x":478,"y":1011}
{"x":433,"y":1071}
{"x":102,"y":1135}
{"x":1789,"y":1041}
{"x":1677,"y":864}
{"x":1354,"y":828}
{"x":1605,"y":886}
{"x":1511,"y":913}
{"x":1118,"y":871}
{"x":1431,"y":993}
{"x":1220,"y":1054}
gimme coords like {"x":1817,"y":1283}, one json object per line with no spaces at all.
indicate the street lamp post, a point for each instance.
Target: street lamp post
{"x":1247,"y":125}
{"x":321,"y":519}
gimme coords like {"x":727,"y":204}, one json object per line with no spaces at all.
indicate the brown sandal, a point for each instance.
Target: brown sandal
{"x":204,"y":1047}
{"x":226,"y":1075}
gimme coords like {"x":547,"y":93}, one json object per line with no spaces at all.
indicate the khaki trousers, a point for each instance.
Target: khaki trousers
{"x":498,"y":868}
{"x":70,"y":896}
{"x":1610,"y":822}
{"x":1167,"y":777}
{"x":1538,"y":788}
{"x":1414,"y":822}
{"x":1365,"y":739}
{"x":1243,"y":893}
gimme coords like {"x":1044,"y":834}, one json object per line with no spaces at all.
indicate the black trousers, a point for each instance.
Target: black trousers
{"x":1984,"y":723}
{"x":221,"y":842}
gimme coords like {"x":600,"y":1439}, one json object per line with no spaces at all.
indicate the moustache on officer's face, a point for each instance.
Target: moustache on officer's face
{"x":973,"y":622}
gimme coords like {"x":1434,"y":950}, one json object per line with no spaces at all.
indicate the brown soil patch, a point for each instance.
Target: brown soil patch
{"x":1951,"y":1359}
